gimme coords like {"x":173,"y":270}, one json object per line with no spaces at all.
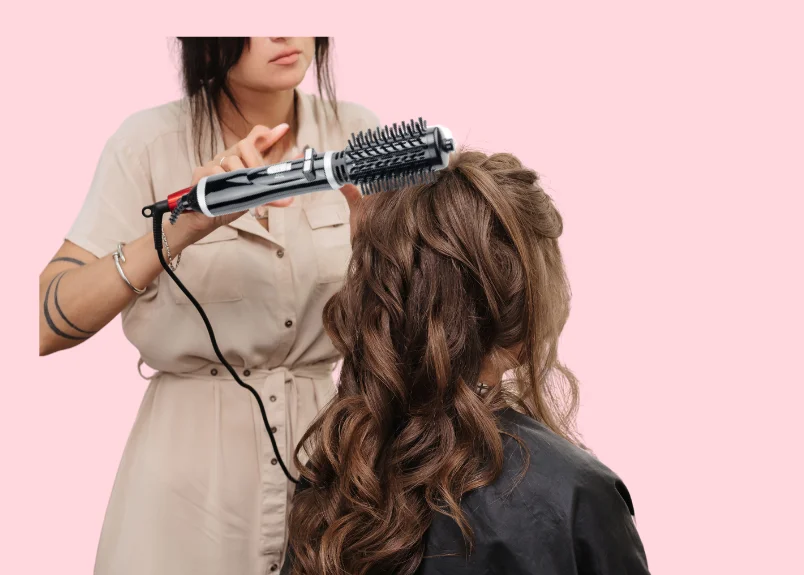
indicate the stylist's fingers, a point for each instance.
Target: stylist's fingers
{"x":263,"y":138}
{"x":244,"y":152}
{"x":252,"y":149}
{"x":232,"y":163}
{"x":249,"y":154}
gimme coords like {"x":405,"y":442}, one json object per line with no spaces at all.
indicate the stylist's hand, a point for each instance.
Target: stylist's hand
{"x":250,"y":152}
{"x":353,"y":198}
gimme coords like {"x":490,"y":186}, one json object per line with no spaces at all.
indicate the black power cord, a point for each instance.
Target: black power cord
{"x":157,"y":212}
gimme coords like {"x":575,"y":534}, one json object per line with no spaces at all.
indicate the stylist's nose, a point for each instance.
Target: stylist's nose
{"x":277,"y":39}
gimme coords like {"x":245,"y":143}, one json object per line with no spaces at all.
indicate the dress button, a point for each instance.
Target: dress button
{"x":214,"y":371}
{"x":273,"y":462}
{"x":247,"y":373}
{"x":280,"y":254}
{"x":272,"y":398}
{"x":288,"y":323}
{"x":273,"y":429}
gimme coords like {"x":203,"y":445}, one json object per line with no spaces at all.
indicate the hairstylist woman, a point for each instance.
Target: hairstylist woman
{"x":198,"y":490}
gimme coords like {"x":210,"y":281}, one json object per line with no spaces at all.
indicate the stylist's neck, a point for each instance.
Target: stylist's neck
{"x":257,"y":108}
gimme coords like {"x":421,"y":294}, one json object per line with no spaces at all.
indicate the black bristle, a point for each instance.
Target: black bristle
{"x":392,"y":157}
{"x":413,"y":177}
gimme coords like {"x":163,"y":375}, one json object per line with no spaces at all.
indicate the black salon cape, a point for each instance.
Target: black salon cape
{"x":569,"y":515}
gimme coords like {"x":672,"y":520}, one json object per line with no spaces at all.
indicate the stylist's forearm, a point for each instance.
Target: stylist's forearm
{"x":89,"y":296}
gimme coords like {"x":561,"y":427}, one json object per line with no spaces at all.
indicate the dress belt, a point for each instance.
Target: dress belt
{"x":320,"y":370}
{"x":258,"y":374}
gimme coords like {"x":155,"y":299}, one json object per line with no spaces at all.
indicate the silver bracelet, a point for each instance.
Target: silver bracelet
{"x":167,"y":249}
{"x":119,"y":257}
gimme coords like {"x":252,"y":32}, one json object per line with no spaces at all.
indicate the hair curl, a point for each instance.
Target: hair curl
{"x":444,"y":279}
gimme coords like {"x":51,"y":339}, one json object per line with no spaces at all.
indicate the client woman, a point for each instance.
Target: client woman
{"x":427,"y":461}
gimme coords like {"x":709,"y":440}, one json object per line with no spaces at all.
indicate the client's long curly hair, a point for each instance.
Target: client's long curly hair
{"x":445,"y":278}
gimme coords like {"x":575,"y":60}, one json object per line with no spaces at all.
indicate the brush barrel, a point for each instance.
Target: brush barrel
{"x":390,"y":158}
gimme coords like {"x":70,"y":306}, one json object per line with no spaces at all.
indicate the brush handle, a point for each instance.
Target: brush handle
{"x":240,"y":190}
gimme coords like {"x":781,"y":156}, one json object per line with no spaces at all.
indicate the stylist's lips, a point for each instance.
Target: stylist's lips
{"x":286,"y":58}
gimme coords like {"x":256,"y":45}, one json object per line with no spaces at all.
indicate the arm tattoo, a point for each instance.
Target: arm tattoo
{"x":70,"y":260}
{"x":58,"y":307}
{"x":49,"y":318}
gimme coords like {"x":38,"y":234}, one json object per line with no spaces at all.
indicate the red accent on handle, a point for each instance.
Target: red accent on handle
{"x":173,"y":199}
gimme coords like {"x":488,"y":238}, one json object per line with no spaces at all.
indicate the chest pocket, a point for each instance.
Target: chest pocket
{"x":210,"y":269}
{"x":329,"y":225}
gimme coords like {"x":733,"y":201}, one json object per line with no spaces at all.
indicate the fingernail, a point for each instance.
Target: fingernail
{"x":281,"y":126}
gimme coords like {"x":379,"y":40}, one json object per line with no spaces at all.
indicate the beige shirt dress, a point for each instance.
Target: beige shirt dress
{"x":198,"y":490}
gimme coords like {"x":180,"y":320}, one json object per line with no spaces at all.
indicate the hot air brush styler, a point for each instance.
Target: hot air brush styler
{"x":382,"y":159}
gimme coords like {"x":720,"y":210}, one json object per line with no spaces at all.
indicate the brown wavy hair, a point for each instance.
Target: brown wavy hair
{"x":445,"y":279}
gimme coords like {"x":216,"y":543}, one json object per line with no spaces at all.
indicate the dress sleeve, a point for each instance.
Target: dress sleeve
{"x":605,"y":537}
{"x":111,"y":212}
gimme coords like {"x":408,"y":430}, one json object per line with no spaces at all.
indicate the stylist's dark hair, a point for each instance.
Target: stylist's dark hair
{"x":205,"y":67}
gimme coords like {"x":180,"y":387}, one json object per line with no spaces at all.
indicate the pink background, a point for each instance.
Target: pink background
{"x":667,"y":135}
